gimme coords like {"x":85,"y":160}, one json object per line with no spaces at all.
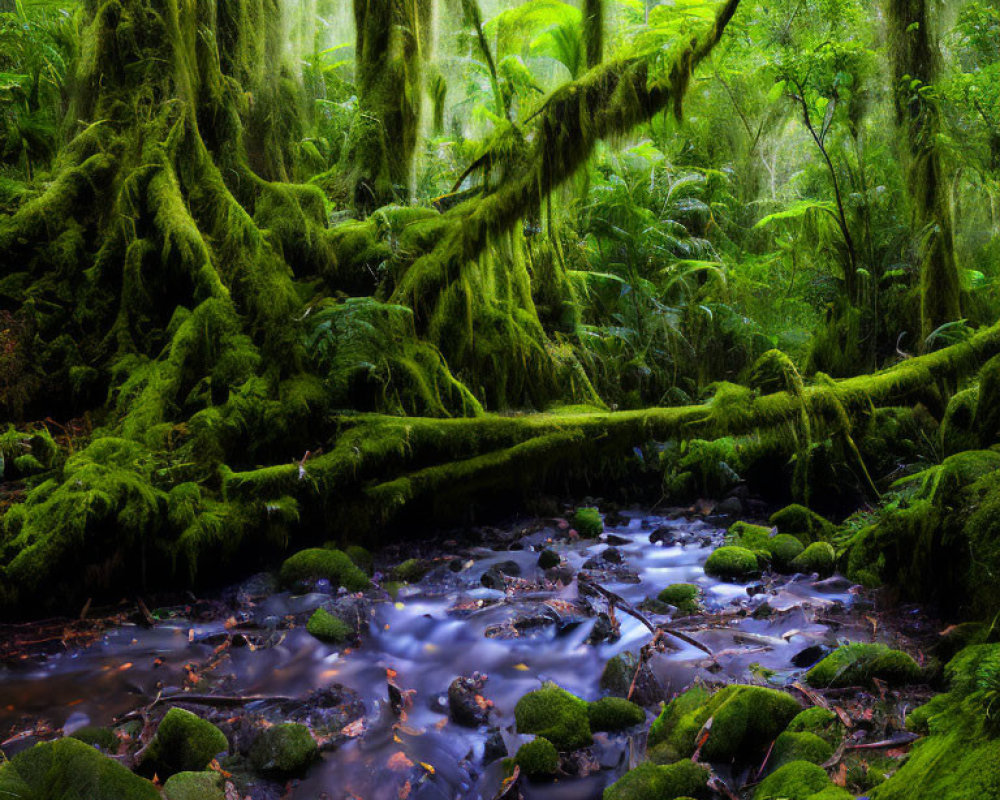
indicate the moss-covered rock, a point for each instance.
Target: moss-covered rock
{"x":745,"y":720}
{"x":316,"y":564}
{"x":548,"y":559}
{"x":538,"y":758}
{"x":183,"y":742}
{"x":68,"y":769}
{"x":819,"y":721}
{"x":804,"y":524}
{"x":656,"y":782}
{"x":587,"y":522}
{"x":748,"y":535}
{"x":98,"y":737}
{"x":557,"y":715}
{"x":732,"y":563}
{"x":328,"y":628}
{"x":799,"y":746}
{"x":859,"y":663}
{"x":614,"y":714}
{"x":784,"y":549}
{"x":361,"y":558}
{"x":819,"y":557}
{"x":800,"y":780}
{"x":683,"y":596}
{"x":411,"y":570}
{"x":284,"y":751}
{"x":194,"y":786}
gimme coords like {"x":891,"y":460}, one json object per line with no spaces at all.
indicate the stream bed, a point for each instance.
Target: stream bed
{"x":380,"y":709}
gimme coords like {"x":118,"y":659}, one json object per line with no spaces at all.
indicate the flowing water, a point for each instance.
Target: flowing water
{"x":444,"y":626}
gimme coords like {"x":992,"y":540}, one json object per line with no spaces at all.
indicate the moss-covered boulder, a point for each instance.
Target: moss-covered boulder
{"x":614,"y":714}
{"x":732,"y":563}
{"x":683,"y":596}
{"x":799,"y":746}
{"x":800,"y":780}
{"x":548,"y":559}
{"x":361,"y":558}
{"x":859,"y":663}
{"x":745,"y":720}
{"x":748,"y":535}
{"x":804,"y":524}
{"x":328,"y":628}
{"x":538,"y":759}
{"x":819,"y":721}
{"x":98,"y":737}
{"x":411,"y":570}
{"x":194,"y":786}
{"x":68,"y":769}
{"x":557,"y":715}
{"x":656,"y":782}
{"x":784,"y":549}
{"x":284,"y":751}
{"x":183,"y":742}
{"x":587,"y":522}
{"x":308,"y":566}
{"x":819,"y":557}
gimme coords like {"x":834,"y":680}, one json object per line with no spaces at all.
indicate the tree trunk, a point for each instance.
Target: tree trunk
{"x":915,"y":67}
{"x":593,"y":31}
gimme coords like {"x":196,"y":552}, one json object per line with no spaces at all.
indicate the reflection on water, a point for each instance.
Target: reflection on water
{"x":433,"y":632}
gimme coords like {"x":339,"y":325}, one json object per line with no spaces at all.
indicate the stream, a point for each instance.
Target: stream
{"x":253,"y":641}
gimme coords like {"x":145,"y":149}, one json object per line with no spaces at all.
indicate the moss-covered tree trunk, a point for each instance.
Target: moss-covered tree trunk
{"x":593,"y":31}
{"x":915,"y":67}
{"x":391,"y":35}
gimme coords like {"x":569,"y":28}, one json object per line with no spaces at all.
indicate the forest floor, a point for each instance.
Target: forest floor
{"x":419,"y":702}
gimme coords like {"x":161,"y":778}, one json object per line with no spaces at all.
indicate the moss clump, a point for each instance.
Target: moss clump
{"x":732,"y":563}
{"x":745,"y":720}
{"x":819,"y":557}
{"x":548,"y":559}
{"x":819,"y":721}
{"x":98,"y":737}
{"x":859,"y":663}
{"x":683,"y":596}
{"x":656,"y":782}
{"x":749,"y":536}
{"x":587,"y":522}
{"x":801,"y":746}
{"x":784,"y":549}
{"x":800,"y":780}
{"x":614,"y":714}
{"x":316,"y":564}
{"x":557,"y":715}
{"x":538,"y":758}
{"x":804,"y":524}
{"x":183,"y":743}
{"x":411,"y":570}
{"x":361,"y":557}
{"x":68,"y":769}
{"x":194,"y":786}
{"x":328,"y":628}
{"x":284,"y":751}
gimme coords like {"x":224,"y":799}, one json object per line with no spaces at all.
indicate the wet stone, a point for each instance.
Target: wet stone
{"x":604,"y":630}
{"x":615,"y":540}
{"x":811,"y":655}
{"x":664,"y":534}
{"x":612,"y":555}
{"x":466,"y":705}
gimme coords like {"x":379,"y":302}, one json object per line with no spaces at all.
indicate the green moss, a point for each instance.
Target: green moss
{"x":731,"y":563}
{"x":411,"y":570}
{"x":818,"y":557}
{"x":784,"y":549}
{"x":538,"y":758}
{"x":957,"y":432}
{"x":747,"y":535}
{"x":361,"y":557}
{"x":194,"y":786}
{"x":328,"y":628}
{"x":858,"y":663}
{"x":806,"y":525}
{"x":98,"y":737}
{"x":548,"y":559}
{"x":68,"y":769}
{"x":801,"y":746}
{"x":587,"y":522}
{"x":183,"y":743}
{"x":683,"y":596}
{"x":799,"y":780}
{"x":284,"y":751}
{"x":319,"y":564}
{"x":745,"y":720}
{"x":614,"y":714}
{"x":820,"y":721}
{"x":655,"y":782}
{"x":557,"y":715}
